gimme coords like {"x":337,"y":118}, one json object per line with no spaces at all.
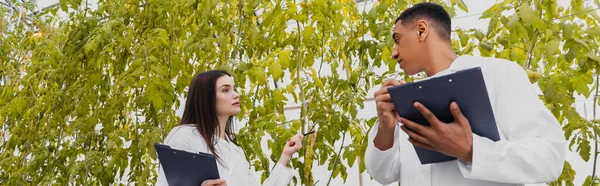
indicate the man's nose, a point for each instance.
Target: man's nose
{"x":395,"y":53}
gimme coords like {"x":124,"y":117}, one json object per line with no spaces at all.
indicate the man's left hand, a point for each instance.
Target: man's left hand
{"x":453,"y":139}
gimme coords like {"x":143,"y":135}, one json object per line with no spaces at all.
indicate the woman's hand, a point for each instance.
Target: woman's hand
{"x":290,"y":148}
{"x":217,"y":182}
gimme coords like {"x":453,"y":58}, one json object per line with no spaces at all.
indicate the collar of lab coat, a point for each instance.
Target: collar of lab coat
{"x":460,"y":63}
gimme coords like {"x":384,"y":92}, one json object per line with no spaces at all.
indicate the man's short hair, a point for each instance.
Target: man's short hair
{"x":431,"y":11}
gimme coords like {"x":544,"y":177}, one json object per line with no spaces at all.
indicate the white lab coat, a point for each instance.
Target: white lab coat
{"x":236,"y":170}
{"x":531,"y":149}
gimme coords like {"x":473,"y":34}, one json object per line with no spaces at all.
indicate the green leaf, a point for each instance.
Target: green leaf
{"x":492,"y":27}
{"x":487,"y":46}
{"x":259,"y":74}
{"x":152,"y":58}
{"x":513,"y":20}
{"x":502,"y":41}
{"x":479,"y":35}
{"x":580,"y":42}
{"x":386,"y":54}
{"x":567,"y":30}
{"x":588,"y":180}
{"x":308,"y":33}
{"x":316,"y":78}
{"x":581,"y":81}
{"x":518,"y":55}
{"x":493,"y":11}
{"x":576,"y":6}
{"x":567,"y":176}
{"x":63,"y":5}
{"x":462,"y":5}
{"x":594,"y":31}
{"x":527,"y":14}
{"x":284,"y":59}
{"x":552,"y":47}
{"x":90,"y":46}
{"x":300,"y":17}
{"x":275,"y":69}
{"x":53,"y":11}
{"x":584,"y":150}
{"x":159,"y":70}
{"x":277,"y":96}
{"x":464,"y":39}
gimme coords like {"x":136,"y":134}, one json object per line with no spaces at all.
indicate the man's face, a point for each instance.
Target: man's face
{"x":408,"y":50}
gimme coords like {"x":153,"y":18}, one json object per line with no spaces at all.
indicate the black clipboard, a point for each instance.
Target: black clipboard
{"x":465,"y":87}
{"x":186,"y":168}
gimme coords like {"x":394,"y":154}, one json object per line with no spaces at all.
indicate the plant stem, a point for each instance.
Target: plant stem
{"x":303,"y":108}
{"x":300,"y":85}
{"x":239,"y":33}
{"x":595,"y":133}
{"x":322,"y":50}
{"x":532,"y":47}
{"x":337,"y":157}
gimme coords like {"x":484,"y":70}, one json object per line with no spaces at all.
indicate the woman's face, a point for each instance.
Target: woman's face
{"x":227,"y":99}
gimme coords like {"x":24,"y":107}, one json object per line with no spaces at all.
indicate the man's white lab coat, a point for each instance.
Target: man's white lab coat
{"x":235,"y":170}
{"x":531,"y":149}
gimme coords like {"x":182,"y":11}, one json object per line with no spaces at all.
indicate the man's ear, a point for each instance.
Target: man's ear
{"x":422,"y":29}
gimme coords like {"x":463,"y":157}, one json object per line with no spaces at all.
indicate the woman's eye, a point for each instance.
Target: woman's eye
{"x":226,"y":90}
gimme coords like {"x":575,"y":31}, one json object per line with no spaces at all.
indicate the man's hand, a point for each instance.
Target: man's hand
{"x":453,"y":139}
{"x":386,"y":112}
{"x":386,"y":116}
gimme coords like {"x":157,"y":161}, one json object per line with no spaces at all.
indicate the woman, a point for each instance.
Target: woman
{"x":206,"y":126}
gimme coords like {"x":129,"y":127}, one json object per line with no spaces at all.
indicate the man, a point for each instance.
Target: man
{"x":532,"y":146}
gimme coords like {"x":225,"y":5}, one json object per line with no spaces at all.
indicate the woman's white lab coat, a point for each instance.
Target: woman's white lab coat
{"x":236,"y":169}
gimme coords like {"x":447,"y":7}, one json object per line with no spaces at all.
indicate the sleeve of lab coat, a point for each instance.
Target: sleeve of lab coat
{"x":280,"y":176}
{"x":383,"y":166}
{"x":535,"y":146}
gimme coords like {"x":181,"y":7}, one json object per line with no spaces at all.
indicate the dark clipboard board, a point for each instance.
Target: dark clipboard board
{"x":465,"y":87}
{"x":186,"y":168}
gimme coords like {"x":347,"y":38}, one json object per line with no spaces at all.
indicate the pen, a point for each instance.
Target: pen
{"x":305,"y":134}
{"x":309,"y":133}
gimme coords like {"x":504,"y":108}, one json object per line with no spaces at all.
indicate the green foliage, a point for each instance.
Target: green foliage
{"x":83,"y":99}
{"x":99,"y":88}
